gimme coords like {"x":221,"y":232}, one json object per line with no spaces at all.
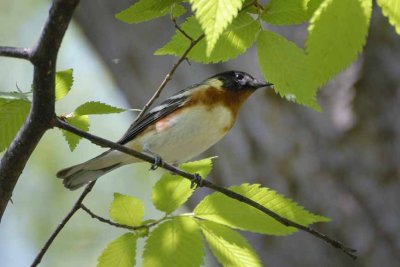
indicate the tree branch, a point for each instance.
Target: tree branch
{"x":103,"y":220}
{"x":168,"y":77}
{"x":43,"y":56}
{"x":15,"y":52}
{"x":64,"y":221}
{"x":204,"y":183}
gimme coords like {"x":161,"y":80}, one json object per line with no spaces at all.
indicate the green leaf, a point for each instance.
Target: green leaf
{"x":292,"y":79}
{"x":228,"y":246}
{"x":171,"y":191}
{"x":337,"y":34}
{"x":127,"y":210}
{"x":177,"y":11}
{"x":283,"y":12}
{"x":13,"y":113}
{"x":391,"y":9}
{"x":235,"y":40}
{"x":176,"y":243}
{"x":214,"y":16}
{"x":251,"y":7}
{"x":94,"y":107}
{"x":80,"y":122}
{"x":145,"y":10}
{"x":222,"y":209}
{"x":312,"y":6}
{"x":64,"y":81}
{"x":119,"y":253}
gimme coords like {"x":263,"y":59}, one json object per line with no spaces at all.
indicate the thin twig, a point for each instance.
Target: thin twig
{"x":15,"y":52}
{"x":180,"y":30}
{"x":64,"y":221}
{"x":104,"y":220}
{"x":168,"y":77}
{"x":204,"y":183}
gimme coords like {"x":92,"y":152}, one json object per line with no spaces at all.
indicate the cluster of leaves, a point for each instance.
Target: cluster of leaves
{"x":337,"y":32}
{"x":15,"y":106}
{"x":177,"y":240}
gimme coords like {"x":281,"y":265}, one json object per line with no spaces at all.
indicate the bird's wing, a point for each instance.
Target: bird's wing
{"x":168,"y":106}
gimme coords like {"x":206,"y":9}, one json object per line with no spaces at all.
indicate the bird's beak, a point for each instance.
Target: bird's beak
{"x":257,"y":84}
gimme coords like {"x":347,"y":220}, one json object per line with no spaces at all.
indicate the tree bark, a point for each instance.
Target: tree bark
{"x":43,"y":57}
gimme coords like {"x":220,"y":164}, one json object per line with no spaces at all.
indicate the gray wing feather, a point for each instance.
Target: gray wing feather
{"x":168,"y":106}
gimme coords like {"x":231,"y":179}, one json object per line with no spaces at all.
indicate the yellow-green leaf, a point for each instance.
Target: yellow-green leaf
{"x":119,"y":253}
{"x":228,"y":246}
{"x":337,"y":34}
{"x":176,"y":243}
{"x":127,"y":210}
{"x":235,"y":40}
{"x":80,"y":122}
{"x":145,"y":10}
{"x":224,"y":210}
{"x":391,"y":9}
{"x":64,"y":81}
{"x":292,"y":79}
{"x":284,"y":12}
{"x":214,"y":16}
{"x":13,"y":113}
{"x":171,"y":191}
{"x":95,"y":107}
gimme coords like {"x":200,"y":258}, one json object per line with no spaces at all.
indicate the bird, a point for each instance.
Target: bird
{"x":178,"y":129}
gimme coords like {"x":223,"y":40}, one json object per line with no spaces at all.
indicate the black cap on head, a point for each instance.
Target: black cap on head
{"x":239,"y":80}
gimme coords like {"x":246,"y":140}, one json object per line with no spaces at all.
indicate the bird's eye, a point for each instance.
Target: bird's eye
{"x":239,"y":76}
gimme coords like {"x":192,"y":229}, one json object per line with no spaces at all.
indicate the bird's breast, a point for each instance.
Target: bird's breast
{"x":187,"y":132}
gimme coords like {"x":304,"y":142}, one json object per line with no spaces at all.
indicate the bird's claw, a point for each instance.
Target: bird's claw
{"x":157,"y":162}
{"x":196,"y":181}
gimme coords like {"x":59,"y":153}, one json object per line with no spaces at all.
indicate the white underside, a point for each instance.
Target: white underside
{"x":181,"y":139}
{"x":187,"y":135}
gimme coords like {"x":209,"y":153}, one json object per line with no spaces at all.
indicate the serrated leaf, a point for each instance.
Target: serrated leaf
{"x":145,"y":10}
{"x":176,"y":242}
{"x":95,"y":107}
{"x":127,"y":210}
{"x":224,"y":210}
{"x":235,"y":40}
{"x":119,"y":253}
{"x":283,"y":12}
{"x":64,"y":81}
{"x":80,"y":122}
{"x":171,"y":191}
{"x":13,"y":113}
{"x":337,"y":33}
{"x":292,"y":79}
{"x":391,"y":10}
{"x":228,"y":246}
{"x":214,"y":16}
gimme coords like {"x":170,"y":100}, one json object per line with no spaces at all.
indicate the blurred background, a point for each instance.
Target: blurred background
{"x":343,"y":162}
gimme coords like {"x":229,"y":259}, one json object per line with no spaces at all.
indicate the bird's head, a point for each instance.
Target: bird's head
{"x":238,"y":81}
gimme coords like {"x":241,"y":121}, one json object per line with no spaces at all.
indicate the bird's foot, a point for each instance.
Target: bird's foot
{"x":196,"y":181}
{"x":157,"y":162}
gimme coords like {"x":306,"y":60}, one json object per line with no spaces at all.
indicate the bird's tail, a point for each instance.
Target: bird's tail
{"x":81,"y":174}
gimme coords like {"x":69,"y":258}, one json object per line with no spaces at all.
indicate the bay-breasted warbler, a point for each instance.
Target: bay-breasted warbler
{"x":180,"y":128}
